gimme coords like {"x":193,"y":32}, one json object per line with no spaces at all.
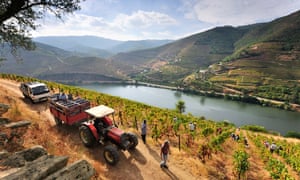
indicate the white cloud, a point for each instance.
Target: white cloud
{"x":143,"y":19}
{"x":122,"y":20}
{"x":135,"y":26}
{"x":240,"y":12}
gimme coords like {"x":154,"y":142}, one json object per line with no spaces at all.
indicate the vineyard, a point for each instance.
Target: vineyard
{"x":284,"y":162}
{"x":210,"y":143}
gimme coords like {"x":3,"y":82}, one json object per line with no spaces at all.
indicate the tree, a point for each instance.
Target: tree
{"x":17,"y":18}
{"x":180,"y":106}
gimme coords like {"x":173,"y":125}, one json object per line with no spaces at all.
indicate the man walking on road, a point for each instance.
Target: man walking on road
{"x":144,"y":131}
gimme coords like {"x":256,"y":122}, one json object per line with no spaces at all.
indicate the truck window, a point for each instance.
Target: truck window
{"x":39,"y":90}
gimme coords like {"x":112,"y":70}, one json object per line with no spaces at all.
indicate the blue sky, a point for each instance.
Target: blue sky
{"x":161,"y":19}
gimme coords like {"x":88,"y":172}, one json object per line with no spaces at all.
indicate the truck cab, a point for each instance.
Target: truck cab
{"x":35,"y":91}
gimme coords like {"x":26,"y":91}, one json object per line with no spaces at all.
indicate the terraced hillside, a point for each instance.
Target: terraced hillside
{"x":229,"y":158}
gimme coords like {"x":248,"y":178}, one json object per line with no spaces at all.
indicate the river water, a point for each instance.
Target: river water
{"x":211,"y":108}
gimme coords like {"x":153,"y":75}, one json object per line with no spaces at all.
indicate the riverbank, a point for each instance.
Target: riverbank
{"x":234,"y":97}
{"x":248,"y":99}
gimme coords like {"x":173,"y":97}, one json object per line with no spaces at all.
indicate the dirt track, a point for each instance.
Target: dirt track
{"x":143,"y":163}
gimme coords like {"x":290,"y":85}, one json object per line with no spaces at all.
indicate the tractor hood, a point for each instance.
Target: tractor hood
{"x":100,"y":111}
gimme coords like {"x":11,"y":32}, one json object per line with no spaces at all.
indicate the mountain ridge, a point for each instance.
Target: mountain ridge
{"x":91,"y":44}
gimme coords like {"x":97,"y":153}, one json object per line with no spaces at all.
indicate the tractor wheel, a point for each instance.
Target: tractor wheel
{"x":133,"y":141}
{"x":111,"y":154}
{"x":86,"y":136}
{"x":58,"y":122}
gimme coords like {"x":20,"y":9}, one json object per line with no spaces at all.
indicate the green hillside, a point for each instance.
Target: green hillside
{"x":180,"y":58}
{"x":266,"y":62}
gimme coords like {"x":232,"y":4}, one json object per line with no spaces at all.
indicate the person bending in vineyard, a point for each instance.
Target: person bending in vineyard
{"x":273,"y":147}
{"x":164,"y":152}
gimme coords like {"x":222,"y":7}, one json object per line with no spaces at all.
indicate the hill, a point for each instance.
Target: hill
{"x":59,"y":65}
{"x":34,"y":62}
{"x":266,"y":62}
{"x":97,"y":46}
{"x":180,"y":58}
{"x":74,"y":43}
{"x":144,"y":162}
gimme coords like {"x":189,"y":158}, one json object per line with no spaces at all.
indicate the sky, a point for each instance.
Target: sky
{"x":161,"y":19}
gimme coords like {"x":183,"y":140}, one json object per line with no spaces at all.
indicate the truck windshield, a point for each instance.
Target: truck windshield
{"x":39,"y":90}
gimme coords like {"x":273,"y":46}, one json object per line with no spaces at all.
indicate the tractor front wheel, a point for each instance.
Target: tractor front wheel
{"x":111,"y":154}
{"x":86,"y":136}
{"x":133,"y":141}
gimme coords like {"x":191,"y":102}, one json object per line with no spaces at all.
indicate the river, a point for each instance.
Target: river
{"x":211,"y":108}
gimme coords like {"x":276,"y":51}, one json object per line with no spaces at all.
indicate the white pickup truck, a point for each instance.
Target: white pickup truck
{"x":35,"y":91}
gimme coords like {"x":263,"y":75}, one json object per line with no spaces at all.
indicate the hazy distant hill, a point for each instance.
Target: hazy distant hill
{"x":128,"y":46}
{"x":48,"y":61}
{"x":97,"y":46}
{"x":71,"y":42}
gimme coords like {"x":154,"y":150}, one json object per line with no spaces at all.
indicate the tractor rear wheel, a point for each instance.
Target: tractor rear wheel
{"x":86,"y":136}
{"x":111,"y":154}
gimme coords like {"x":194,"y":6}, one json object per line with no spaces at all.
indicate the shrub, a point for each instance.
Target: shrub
{"x":293,"y":134}
{"x":255,"y":128}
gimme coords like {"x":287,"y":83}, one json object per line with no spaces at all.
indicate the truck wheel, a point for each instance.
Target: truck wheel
{"x":86,"y":136}
{"x":133,"y":141}
{"x":58,"y":122}
{"x":32,"y":101}
{"x":3,"y":139}
{"x":111,"y":154}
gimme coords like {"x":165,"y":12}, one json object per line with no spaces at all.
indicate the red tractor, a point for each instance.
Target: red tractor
{"x":95,"y":126}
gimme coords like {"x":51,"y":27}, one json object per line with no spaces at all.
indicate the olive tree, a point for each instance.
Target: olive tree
{"x":18,"y":18}
{"x":180,"y":106}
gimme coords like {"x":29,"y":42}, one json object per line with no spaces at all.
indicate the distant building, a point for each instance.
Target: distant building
{"x":203,"y":74}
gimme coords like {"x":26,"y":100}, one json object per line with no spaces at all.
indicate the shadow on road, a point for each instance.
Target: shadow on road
{"x":170,"y":174}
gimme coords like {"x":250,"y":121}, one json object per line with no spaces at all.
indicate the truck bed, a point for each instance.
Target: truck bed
{"x":69,"y":111}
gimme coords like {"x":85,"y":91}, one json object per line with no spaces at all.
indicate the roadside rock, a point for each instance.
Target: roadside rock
{"x":35,"y":163}
{"x":78,"y":170}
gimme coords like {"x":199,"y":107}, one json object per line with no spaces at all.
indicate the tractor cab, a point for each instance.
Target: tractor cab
{"x":103,"y":122}
{"x":99,"y":116}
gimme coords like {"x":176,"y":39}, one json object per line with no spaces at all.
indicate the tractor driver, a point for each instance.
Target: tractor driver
{"x":101,"y":125}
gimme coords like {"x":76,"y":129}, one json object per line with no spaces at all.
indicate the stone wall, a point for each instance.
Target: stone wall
{"x":35,"y":163}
